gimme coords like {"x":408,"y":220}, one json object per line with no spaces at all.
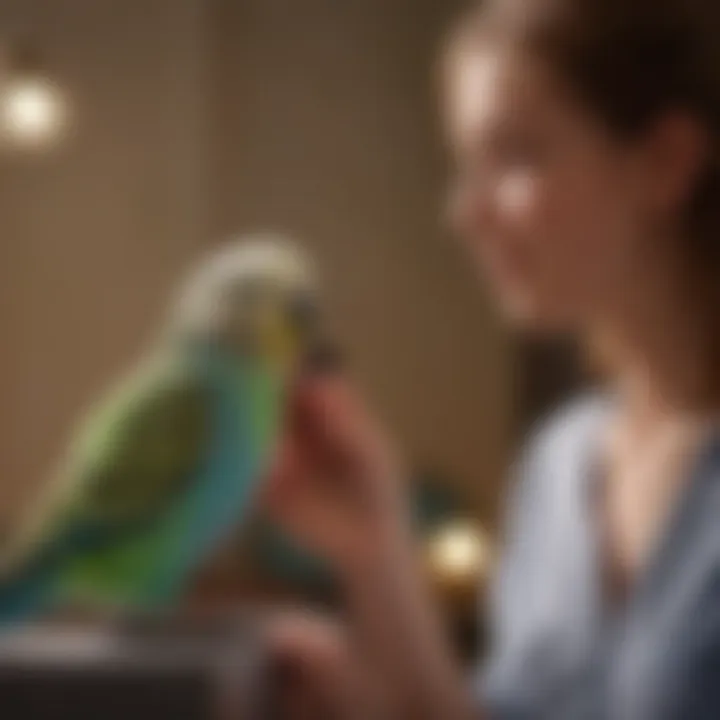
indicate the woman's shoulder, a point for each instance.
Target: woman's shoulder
{"x":559,"y":453}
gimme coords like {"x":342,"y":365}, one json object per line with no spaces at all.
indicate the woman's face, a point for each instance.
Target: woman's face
{"x":550,"y":206}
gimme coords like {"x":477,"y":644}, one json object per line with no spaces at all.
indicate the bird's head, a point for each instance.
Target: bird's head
{"x":257,"y":297}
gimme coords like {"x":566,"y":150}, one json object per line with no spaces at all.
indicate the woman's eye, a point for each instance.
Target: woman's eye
{"x":518,"y":151}
{"x":499,"y":154}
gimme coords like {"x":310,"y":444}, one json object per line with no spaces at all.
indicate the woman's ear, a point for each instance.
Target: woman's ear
{"x":677,"y":151}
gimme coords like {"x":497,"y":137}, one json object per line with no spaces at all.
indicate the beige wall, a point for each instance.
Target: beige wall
{"x":314,"y":117}
{"x":92,"y":234}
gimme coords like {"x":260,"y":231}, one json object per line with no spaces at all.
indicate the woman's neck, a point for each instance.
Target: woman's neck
{"x":659,"y":344}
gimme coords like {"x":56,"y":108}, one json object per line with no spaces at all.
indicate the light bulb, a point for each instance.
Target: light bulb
{"x":459,"y":551}
{"x":33,"y":112}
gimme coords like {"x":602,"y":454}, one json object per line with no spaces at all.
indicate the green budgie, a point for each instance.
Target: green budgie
{"x":170,"y":463}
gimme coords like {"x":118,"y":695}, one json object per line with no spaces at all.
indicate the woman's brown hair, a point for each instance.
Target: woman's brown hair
{"x":629,"y":62}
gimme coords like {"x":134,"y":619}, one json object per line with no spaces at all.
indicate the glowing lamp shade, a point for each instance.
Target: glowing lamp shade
{"x":33,"y":112}
{"x":458,"y":552}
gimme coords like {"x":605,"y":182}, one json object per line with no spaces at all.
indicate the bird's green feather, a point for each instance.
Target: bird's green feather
{"x":133,"y":455}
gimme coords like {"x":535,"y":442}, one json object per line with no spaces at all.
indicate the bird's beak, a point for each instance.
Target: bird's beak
{"x":320,"y":354}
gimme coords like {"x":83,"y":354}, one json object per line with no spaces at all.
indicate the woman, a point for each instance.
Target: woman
{"x":585,"y":134}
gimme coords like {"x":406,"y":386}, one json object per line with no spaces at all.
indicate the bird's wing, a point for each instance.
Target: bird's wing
{"x":134,"y":456}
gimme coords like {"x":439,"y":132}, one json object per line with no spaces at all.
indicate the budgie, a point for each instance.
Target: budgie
{"x":169,"y":463}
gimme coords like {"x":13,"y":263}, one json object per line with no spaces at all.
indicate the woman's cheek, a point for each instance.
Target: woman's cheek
{"x":535,"y":261}
{"x":522,"y":221}
{"x":519,"y":200}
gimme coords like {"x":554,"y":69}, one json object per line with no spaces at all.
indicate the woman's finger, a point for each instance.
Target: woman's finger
{"x":287,"y":474}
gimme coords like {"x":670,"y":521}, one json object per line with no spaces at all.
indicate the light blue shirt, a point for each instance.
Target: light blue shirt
{"x":558,"y":651}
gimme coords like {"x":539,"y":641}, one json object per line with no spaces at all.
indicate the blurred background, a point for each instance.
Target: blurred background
{"x":137,"y":133}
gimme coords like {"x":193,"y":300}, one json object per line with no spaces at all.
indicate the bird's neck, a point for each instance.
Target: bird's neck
{"x":220,"y":358}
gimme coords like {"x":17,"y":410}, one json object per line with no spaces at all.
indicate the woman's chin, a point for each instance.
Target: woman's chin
{"x":527,"y":314}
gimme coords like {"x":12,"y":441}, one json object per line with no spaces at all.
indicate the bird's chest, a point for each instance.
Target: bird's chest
{"x":243,"y":422}
{"x":227,"y":476}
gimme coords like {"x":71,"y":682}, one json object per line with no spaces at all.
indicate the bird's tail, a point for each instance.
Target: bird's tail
{"x":24,"y":596}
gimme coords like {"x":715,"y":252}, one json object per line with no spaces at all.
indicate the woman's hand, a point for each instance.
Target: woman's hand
{"x":337,"y":484}
{"x":337,"y":488}
{"x":319,"y":675}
